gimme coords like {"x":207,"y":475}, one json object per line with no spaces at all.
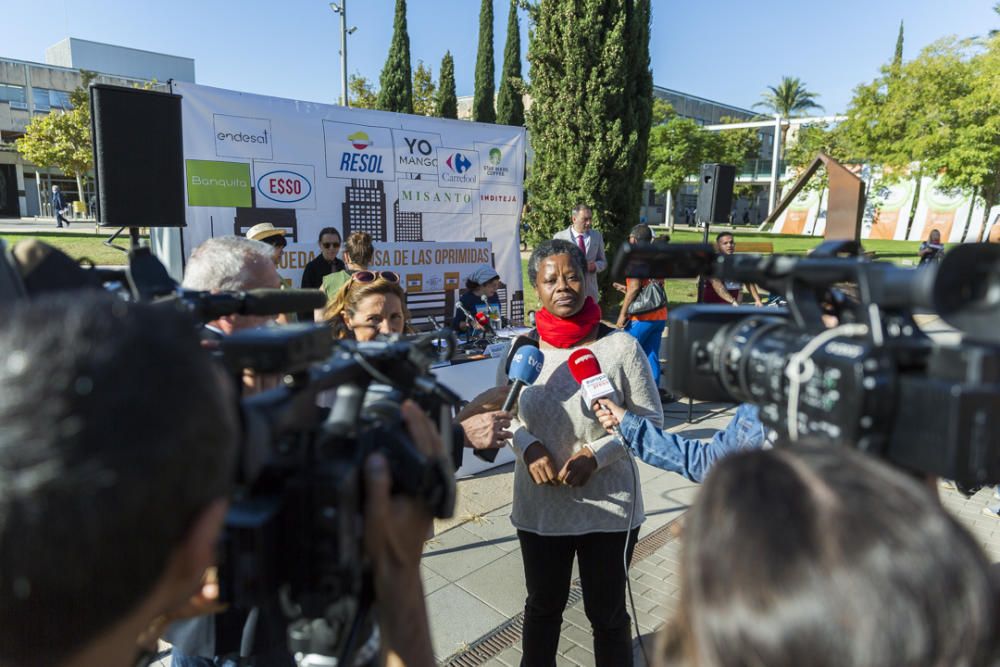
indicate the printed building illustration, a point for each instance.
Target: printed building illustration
{"x":408,"y":226}
{"x":364,"y":209}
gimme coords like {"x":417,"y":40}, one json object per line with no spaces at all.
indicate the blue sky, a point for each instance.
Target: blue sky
{"x":726,"y":50}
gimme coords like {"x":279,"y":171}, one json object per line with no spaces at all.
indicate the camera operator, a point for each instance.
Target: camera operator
{"x":232,"y":263}
{"x":111,"y":507}
{"x":797,"y":556}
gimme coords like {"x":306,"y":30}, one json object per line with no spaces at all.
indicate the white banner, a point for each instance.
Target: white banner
{"x":946,"y":211}
{"x":443,"y":195}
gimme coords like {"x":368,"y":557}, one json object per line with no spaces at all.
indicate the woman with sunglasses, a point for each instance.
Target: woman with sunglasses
{"x":369,"y":304}
{"x":359,"y":252}
{"x":480,"y":297}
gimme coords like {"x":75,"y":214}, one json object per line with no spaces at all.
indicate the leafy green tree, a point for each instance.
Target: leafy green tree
{"x":396,"y":86}
{"x":510,"y":104}
{"x":483,"y":109}
{"x":581,"y":121}
{"x":788,"y":99}
{"x":446,"y":105}
{"x":423,"y":90}
{"x":61,"y":139}
{"x":362,"y":92}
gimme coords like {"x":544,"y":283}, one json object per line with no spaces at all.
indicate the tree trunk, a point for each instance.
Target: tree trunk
{"x":968,"y":217}
{"x":916,"y":201}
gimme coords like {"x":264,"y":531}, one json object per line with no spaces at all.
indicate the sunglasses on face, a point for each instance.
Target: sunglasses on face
{"x":276,"y":241}
{"x":372,"y":276}
{"x":327,"y":246}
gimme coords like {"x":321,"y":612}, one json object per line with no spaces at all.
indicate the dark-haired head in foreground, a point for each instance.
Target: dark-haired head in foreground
{"x":822,"y":556}
{"x":117,"y":437}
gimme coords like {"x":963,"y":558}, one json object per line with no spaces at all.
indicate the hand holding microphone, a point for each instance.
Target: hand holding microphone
{"x":524,"y":369}
{"x":610,"y":415}
{"x":595,"y":386}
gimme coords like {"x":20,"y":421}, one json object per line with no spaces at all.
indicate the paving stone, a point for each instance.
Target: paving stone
{"x":500,"y":584}
{"x":457,"y":618}
{"x":457,"y":552}
{"x":432,"y":580}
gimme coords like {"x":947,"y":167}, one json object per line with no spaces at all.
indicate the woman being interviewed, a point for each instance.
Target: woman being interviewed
{"x":574,"y":485}
{"x":369,"y":303}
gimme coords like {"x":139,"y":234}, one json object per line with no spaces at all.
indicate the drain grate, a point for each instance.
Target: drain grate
{"x":509,"y":633}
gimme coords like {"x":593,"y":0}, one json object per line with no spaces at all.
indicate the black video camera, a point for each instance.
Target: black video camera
{"x":871,"y":377}
{"x":293,"y":541}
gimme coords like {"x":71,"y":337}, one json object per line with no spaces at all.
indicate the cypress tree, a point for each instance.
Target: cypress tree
{"x":482,"y":99}
{"x":591,"y":108}
{"x":396,"y":86}
{"x":897,"y":58}
{"x":510,"y":105}
{"x":447,"y":103}
{"x":639,"y":99}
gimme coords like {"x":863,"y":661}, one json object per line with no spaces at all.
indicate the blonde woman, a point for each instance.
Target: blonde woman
{"x":370,"y":303}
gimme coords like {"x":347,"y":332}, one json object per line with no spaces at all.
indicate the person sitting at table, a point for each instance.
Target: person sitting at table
{"x":480,"y":297}
{"x":370,"y":303}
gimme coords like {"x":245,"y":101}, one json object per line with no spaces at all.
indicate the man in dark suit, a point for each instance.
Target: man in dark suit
{"x":590,"y":242}
{"x":58,"y":205}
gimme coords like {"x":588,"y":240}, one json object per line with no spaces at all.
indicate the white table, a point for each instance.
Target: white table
{"x":468,"y":380}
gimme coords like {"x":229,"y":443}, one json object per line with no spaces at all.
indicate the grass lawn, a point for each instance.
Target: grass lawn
{"x":682,"y":291}
{"x":79,"y":246}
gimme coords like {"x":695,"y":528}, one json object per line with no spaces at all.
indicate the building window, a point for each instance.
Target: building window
{"x":14,"y":95}
{"x":59,"y":99}
{"x":40,"y":96}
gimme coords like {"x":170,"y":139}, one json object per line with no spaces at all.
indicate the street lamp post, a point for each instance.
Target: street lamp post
{"x":344,"y":32}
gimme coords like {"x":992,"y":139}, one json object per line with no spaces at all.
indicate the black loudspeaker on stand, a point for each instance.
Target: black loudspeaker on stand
{"x":715,"y":201}
{"x":138,"y":158}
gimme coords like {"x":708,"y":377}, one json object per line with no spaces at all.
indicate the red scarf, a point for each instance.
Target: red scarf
{"x":567,"y":332}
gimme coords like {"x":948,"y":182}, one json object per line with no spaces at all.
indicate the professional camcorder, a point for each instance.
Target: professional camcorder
{"x":871,"y":377}
{"x":293,"y":543}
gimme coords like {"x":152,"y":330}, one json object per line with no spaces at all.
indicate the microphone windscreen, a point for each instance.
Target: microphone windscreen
{"x":277,"y":301}
{"x":526,"y":364}
{"x":583,"y":364}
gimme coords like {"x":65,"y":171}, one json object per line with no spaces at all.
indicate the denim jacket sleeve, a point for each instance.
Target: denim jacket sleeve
{"x":690,"y":457}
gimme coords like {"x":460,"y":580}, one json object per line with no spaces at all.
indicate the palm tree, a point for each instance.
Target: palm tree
{"x":788,"y":99}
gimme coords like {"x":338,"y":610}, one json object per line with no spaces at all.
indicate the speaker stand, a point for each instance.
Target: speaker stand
{"x":133,"y":233}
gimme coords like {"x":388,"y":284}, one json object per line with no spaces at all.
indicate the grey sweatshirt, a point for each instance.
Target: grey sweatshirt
{"x":552,"y":411}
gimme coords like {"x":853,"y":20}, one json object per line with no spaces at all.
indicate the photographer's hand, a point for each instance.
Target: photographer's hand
{"x":487,"y":430}
{"x":395,"y":531}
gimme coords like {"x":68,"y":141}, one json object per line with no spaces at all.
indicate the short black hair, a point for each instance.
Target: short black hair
{"x":115,"y":434}
{"x":551,"y":248}
{"x":642,"y":234}
{"x":327,"y":230}
{"x":722,"y":235}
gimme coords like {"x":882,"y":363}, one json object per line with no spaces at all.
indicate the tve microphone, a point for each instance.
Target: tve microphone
{"x":586,"y":370}
{"x":484,"y":322}
{"x":525,"y":366}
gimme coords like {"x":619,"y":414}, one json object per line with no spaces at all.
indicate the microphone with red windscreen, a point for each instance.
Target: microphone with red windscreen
{"x":586,"y":370}
{"x":484,"y":322}
{"x":594,"y":384}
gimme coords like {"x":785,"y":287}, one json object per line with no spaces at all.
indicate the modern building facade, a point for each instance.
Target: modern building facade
{"x":30,"y":89}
